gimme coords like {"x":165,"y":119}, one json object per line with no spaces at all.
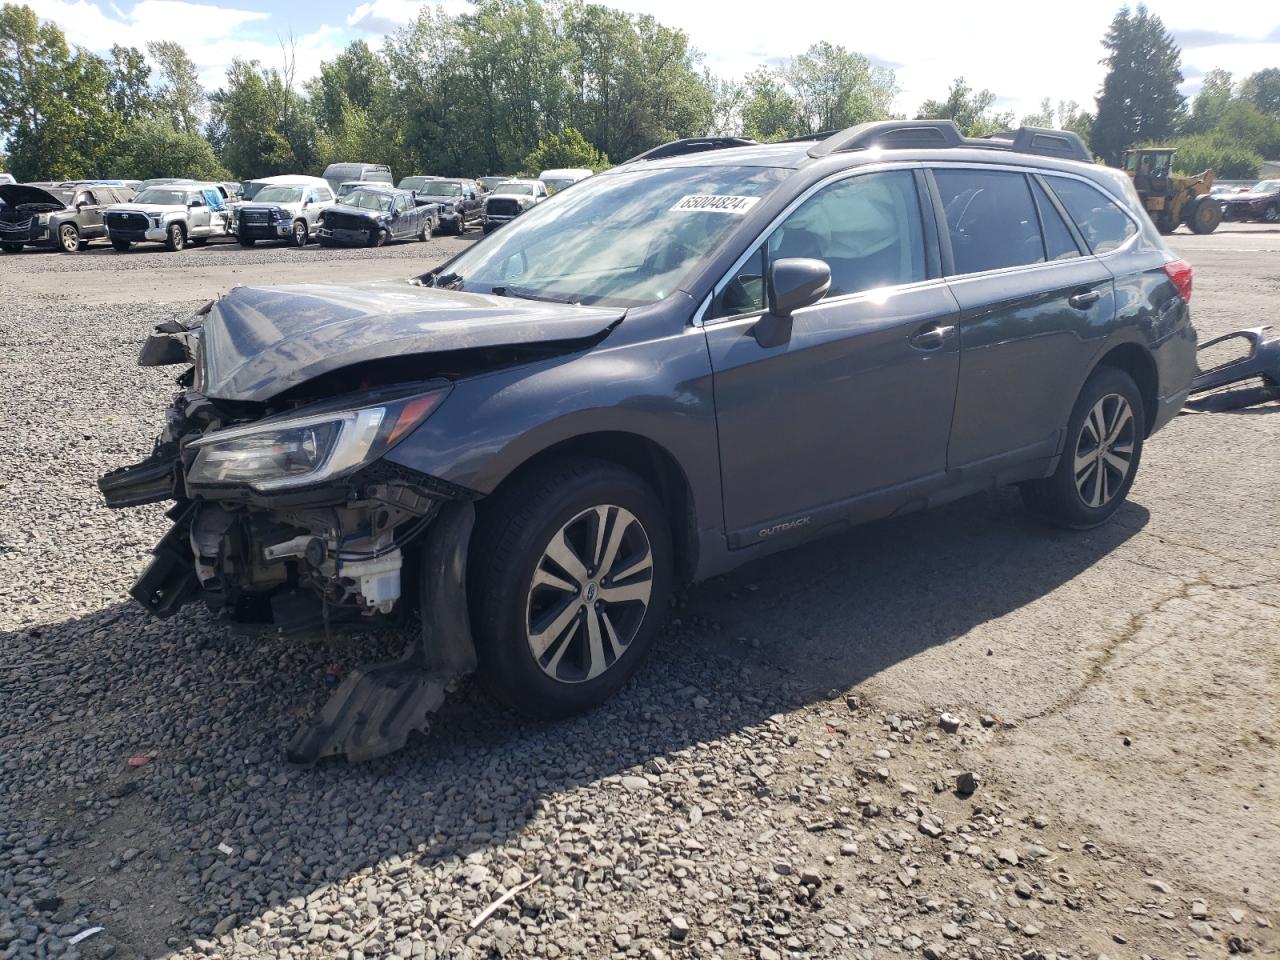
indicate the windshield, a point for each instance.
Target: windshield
{"x":279,"y":194}
{"x":162,"y":197}
{"x":1266,"y":186}
{"x":491,"y":182}
{"x":368,"y":200}
{"x":249,"y":188}
{"x":515,"y":189}
{"x":412,"y":183}
{"x":441,"y":188}
{"x":622,"y":240}
{"x":553,"y":185}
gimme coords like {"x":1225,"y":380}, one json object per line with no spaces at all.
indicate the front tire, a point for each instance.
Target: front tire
{"x":175,"y":238}
{"x":300,"y":235}
{"x":1271,"y":214}
{"x":1101,"y":456}
{"x":247,"y":241}
{"x":69,"y":238}
{"x":11,"y":247}
{"x":121,"y":246}
{"x":1205,"y":215}
{"x":570,"y":580}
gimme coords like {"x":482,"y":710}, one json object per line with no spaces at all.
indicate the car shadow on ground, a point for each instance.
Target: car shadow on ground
{"x":214,"y":711}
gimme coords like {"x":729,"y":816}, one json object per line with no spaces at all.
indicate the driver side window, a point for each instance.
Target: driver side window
{"x":866,"y":228}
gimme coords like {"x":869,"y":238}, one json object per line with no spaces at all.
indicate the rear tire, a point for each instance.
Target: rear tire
{"x":541,"y":562}
{"x":121,"y":245}
{"x":1100,"y":458}
{"x":175,"y":238}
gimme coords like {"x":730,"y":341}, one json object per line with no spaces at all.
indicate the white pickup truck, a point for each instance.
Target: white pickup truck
{"x":174,"y":214}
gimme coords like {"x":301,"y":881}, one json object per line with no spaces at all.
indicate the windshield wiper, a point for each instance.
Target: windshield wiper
{"x":530,"y":295}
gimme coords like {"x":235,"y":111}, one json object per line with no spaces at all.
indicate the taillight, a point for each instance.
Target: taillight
{"x":1179,"y":272}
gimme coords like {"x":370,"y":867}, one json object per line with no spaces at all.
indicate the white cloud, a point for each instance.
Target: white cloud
{"x":212,"y":35}
{"x":386,"y":16}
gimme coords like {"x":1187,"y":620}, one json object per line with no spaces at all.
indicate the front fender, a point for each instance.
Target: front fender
{"x":658,"y":389}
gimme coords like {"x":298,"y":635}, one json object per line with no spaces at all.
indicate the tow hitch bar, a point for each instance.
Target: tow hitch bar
{"x":1262,"y":362}
{"x":377,"y":707}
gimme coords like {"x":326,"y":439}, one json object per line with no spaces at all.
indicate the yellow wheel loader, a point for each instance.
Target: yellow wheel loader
{"x":1169,"y":199}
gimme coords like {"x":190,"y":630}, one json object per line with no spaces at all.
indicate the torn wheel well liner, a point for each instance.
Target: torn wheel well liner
{"x":1138,"y":364}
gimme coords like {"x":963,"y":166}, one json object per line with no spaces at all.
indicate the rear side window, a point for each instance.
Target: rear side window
{"x":1104,"y":225}
{"x":991,"y":218}
{"x":1058,"y":242}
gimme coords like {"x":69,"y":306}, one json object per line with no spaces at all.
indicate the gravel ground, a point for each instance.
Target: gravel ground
{"x":952,"y":735}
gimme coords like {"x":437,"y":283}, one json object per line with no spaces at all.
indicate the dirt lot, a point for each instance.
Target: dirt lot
{"x":776,"y":784}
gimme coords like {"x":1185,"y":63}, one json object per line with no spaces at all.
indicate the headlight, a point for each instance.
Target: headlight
{"x":155,"y":218}
{"x":42,"y":218}
{"x":300,"y":451}
{"x":276,"y":214}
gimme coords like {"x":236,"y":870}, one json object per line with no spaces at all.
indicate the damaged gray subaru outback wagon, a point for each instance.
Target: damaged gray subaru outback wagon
{"x":714,"y":351}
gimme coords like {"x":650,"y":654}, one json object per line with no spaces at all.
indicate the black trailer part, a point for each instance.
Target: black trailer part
{"x":377,"y":707}
{"x":1261,"y":363}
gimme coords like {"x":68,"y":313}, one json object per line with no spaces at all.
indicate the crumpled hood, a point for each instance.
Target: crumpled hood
{"x":342,"y":208}
{"x":16,"y":194}
{"x":258,"y":342}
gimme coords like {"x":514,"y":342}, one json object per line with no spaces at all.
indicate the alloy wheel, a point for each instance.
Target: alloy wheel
{"x":589,"y":594}
{"x":1104,"y":450}
{"x":70,"y":238}
{"x":299,"y":234}
{"x":1271,"y":214}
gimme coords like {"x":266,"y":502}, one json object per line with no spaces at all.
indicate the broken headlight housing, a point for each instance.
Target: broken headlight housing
{"x":300,"y":451}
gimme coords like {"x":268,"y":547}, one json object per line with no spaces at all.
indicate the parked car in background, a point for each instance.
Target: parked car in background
{"x":559,"y":179}
{"x":7,"y":178}
{"x":413,"y":183}
{"x":174,"y":214}
{"x":349,"y":185}
{"x":371,"y":216}
{"x":707,"y":354}
{"x":459,"y":199}
{"x":488,"y":183}
{"x":53,"y":215}
{"x":339,"y":173}
{"x":509,"y":199}
{"x":1259,"y":202}
{"x":284,"y":210}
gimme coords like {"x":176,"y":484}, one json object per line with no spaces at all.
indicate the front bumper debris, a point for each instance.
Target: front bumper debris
{"x":1261,"y":363}
{"x":376,"y":708}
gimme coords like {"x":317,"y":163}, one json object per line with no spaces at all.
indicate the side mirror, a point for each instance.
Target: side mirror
{"x":792,"y":283}
{"x":797,"y":282}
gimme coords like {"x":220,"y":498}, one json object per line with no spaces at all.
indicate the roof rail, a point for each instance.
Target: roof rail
{"x":677,"y":148}
{"x":1043,"y":142}
{"x":891,"y":134}
{"x":940,"y":134}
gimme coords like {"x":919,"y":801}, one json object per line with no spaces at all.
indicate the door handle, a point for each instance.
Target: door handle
{"x":1084,"y":299}
{"x":930,"y":337}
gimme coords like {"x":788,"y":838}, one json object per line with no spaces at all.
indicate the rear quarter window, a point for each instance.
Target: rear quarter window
{"x":1104,"y":225}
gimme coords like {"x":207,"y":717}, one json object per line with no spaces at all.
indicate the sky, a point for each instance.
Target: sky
{"x":1021,"y":50}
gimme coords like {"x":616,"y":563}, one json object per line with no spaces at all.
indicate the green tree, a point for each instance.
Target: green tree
{"x":153,"y":148}
{"x":1245,"y":125}
{"x":1071,"y":117}
{"x":179,"y":96}
{"x":130,"y":84}
{"x":55,"y":110}
{"x":1216,"y":94}
{"x":1229,"y":161}
{"x":769,"y":110}
{"x":836,"y":88}
{"x":567,"y":149}
{"x":969,"y":108}
{"x":1262,"y":89}
{"x":1044,"y":117}
{"x":260,"y":125}
{"x":1139,"y":101}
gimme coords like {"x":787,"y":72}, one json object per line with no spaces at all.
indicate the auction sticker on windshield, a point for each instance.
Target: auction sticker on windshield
{"x":716,"y":203}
